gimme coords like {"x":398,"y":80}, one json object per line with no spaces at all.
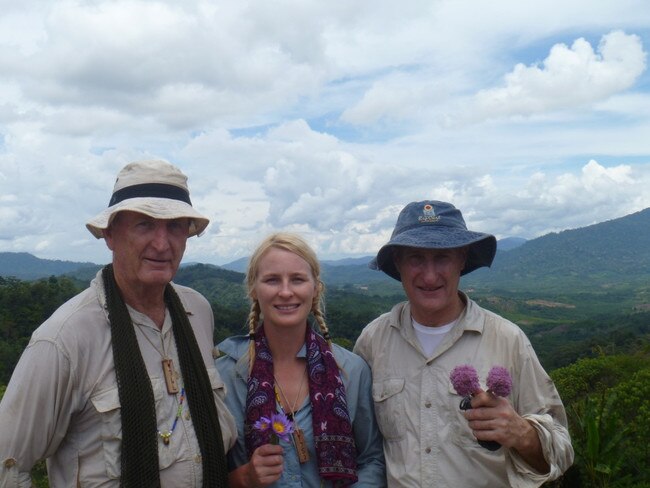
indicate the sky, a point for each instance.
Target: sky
{"x":323,"y":118}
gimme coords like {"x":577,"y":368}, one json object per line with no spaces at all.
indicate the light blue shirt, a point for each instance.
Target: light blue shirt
{"x":357,"y":379}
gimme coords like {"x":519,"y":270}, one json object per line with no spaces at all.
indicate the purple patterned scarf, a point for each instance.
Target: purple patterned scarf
{"x":333,"y":437}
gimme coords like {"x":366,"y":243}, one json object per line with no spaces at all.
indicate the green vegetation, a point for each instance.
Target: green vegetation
{"x":608,"y":404}
{"x":595,"y":344}
{"x":23,"y":306}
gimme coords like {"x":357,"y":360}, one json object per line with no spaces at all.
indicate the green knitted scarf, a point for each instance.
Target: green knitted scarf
{"x":139,"y":458}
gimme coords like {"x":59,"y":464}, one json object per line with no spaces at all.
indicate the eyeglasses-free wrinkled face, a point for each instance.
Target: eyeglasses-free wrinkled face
{"x":430,"y":279}
{"x":146,"y":251}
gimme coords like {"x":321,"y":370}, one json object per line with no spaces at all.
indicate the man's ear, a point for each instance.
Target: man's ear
{"x":108,"y":237}
{"x":396,"y":255}
{"x":464,"y":255}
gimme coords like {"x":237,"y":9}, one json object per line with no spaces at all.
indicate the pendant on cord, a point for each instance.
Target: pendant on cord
{"x":301,"y":445}
{"x":170,"y":376}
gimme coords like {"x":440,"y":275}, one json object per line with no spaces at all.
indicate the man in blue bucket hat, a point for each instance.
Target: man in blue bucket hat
{"x":517,"y":439}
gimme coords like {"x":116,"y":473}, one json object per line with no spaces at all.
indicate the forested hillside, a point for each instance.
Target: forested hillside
{"x":601,"y":364}
{"x":607,"y":254}
{"x":23,"y":306}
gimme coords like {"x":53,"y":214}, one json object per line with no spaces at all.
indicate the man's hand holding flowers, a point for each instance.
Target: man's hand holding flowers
{"x":492,"y":417}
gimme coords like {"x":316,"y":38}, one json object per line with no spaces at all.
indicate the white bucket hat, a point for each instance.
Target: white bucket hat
{"x":154,"y":188}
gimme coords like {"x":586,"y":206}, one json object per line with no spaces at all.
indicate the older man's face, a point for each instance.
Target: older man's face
{"x":146,"y":251}
{"x":430,"y":279}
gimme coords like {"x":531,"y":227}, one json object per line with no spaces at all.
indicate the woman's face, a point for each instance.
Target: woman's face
{"x":285,"y":289}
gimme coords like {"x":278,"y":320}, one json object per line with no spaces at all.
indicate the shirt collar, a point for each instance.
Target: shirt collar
{"x":469,"y":319}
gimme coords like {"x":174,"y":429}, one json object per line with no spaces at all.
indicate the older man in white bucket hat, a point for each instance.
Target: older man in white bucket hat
{"x":429,"y":438}
{"x":118,"y":387}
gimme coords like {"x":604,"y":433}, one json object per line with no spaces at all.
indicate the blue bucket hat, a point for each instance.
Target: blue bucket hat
{"x":435,"y":225}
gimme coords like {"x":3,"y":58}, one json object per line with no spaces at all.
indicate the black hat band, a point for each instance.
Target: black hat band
{"x":150,"y":190}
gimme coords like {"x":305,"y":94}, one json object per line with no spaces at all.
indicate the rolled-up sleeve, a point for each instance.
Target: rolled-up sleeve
{"x":35,"y":411}
{"x":540,"y":404}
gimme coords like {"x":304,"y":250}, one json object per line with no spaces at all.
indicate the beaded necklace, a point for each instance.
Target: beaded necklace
{"x":166,"y":436}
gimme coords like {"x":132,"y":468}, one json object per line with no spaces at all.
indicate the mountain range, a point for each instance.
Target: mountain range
{"x":607,"y":254}
{"x":25,"y":266}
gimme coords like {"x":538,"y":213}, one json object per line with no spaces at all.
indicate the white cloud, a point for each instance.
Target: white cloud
{"x":398,"y":97}
{"x":568,"y":77}
{"x":547,"y":203}
{"x":322,"y":117}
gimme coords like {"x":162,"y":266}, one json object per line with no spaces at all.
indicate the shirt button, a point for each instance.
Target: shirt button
{"x":187,"y":415}
{"x":197,"y":459}
{"x":10,"y":463}
{"x":427,"y":450}
{"x":428,"y":404}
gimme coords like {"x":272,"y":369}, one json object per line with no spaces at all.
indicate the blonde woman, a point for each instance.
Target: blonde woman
{"x":285,"y":366}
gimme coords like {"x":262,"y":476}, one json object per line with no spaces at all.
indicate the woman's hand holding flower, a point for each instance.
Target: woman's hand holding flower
{"x":266,"y":466}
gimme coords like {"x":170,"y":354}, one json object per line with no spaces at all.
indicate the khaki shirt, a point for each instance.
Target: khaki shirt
{"x":427,"y":441}
{"x":62,"y":401}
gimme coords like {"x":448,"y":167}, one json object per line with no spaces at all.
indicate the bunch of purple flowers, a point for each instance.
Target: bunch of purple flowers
{"x":280,"y":425}
{"x":464,"y":379}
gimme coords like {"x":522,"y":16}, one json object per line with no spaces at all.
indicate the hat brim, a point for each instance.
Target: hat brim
{"x":157,"y":208}
{"x":482,"y":247}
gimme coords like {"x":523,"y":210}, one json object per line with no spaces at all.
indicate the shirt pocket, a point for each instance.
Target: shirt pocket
{"x":107,"y":404}
{"x":217,"y":384}
{"x":388,"y":395}
{"x":226,"y":420}
{"x":461,"y":434}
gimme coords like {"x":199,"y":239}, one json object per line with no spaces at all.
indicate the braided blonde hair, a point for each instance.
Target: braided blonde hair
{"x":297,"y":245}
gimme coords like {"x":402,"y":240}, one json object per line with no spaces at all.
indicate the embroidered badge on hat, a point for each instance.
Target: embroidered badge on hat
{"x":429,"y":214}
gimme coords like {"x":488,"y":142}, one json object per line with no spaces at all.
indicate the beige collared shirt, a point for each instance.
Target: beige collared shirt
{"x":62,"y":401}
{"x":427,"y":441}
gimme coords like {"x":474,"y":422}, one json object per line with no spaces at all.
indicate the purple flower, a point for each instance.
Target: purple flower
{"x":263,"y":424}
{"x":281,"y":426}
{"x":499,"y":381}
{"x":464,"y":379}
